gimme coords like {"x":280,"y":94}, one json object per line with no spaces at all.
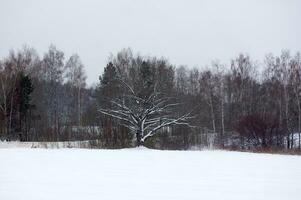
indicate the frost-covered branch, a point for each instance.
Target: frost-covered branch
{"x":144,"y":115}
{"x":178,"y":121}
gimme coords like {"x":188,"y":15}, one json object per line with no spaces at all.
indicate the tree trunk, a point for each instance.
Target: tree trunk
{"x":79,"y":106}
{"x":289,"y":143}
{"x":212,"y":114}
{"x":299,"y":125}
{"x":223,"y":115}
{"x":138,"y":138}
{"x":299,"y":119}
{"x":4,"y":107}
{"x":10,"y":115}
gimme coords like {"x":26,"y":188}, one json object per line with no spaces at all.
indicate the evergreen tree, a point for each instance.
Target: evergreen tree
{"x":26,"y":88}
{"x":23,"y":104}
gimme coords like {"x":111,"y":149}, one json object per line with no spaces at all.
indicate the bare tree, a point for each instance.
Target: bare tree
{"x":280,"y":71}
{"x":182,"y":80}
{"x":144,"y":116}
{"x":53,"y":68}
{"x":208,"y":90}
{"x":219,"y":74}
{"x":76,"y":77}
{"x":296,"y":84}
{"x":5,"y":85}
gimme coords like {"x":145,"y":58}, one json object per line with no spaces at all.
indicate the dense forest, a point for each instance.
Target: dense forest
{"x":244,"y":104}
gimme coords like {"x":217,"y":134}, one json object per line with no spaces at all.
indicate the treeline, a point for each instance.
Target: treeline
{"x":41,"y":98}
{"x":245,"y":104}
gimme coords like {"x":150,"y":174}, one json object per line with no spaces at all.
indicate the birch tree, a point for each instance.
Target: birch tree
{"x":208,"y":90}
{"x":296,"y":84}
{"x":219,"y":73}
{"x":76,"y":77}
{"x":53,"y":69}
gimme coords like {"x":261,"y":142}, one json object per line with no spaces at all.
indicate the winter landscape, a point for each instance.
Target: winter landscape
{"x":142,"y":173}
{"x":152,"y":99}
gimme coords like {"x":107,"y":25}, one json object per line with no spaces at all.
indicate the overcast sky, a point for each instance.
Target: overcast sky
{"x":188,"y":32}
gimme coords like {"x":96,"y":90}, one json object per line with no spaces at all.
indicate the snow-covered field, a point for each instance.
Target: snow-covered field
{"x":61,"y":174}
{"x":51,"y":145}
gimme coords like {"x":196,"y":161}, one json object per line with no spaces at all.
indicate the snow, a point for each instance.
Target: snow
{"x":47,"y":174}
{"x":51,"y":145}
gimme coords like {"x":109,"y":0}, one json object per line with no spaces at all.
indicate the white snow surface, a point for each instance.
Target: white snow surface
{"x":130,"y":174}
{"x":51,"y":145}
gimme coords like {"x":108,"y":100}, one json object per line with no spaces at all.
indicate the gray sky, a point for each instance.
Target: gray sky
{"x":189,"y":32}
